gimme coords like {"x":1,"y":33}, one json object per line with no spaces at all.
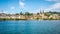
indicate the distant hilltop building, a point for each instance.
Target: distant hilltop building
{"x":3,"y":11}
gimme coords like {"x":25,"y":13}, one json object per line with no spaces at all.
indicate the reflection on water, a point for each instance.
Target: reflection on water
{"x":30,"y":27}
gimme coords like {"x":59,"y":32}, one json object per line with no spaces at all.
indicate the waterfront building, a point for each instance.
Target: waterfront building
{"x":54,"y":16}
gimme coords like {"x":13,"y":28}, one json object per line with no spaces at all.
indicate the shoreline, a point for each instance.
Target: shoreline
{"x":29,"y":16}
{"x":27,"y":19}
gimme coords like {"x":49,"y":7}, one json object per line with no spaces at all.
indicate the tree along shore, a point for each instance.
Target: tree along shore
{"x":31,"y":16}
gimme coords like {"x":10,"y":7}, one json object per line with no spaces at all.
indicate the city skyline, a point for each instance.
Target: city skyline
{"x":16,"y":6}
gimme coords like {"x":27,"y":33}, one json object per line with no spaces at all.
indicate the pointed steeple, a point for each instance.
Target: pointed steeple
{"x":3,"y":11}
{"x":43,"y":11}
{"x":40,"y":11}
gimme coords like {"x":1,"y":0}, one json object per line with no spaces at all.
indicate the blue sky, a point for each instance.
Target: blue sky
{"x":16,"y":6}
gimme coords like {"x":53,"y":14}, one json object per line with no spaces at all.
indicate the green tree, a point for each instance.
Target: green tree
{"x":38,"y":13}
{"x":28,"y":14}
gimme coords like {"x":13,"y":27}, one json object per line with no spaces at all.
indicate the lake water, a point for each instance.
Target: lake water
{"x":30,"y":27}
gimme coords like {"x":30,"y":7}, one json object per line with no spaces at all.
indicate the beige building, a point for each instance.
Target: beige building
{"x":54,"y":16}
{"x":43,"y":16}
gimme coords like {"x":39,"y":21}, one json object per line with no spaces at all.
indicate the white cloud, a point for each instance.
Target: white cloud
{"x":12,"y":7}
{"x":55,"y":6}
{"x":53,"y":0}
{"x":21,"y":4}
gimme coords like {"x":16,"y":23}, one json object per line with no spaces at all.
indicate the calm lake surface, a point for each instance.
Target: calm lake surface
{"x":30,"y":27}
